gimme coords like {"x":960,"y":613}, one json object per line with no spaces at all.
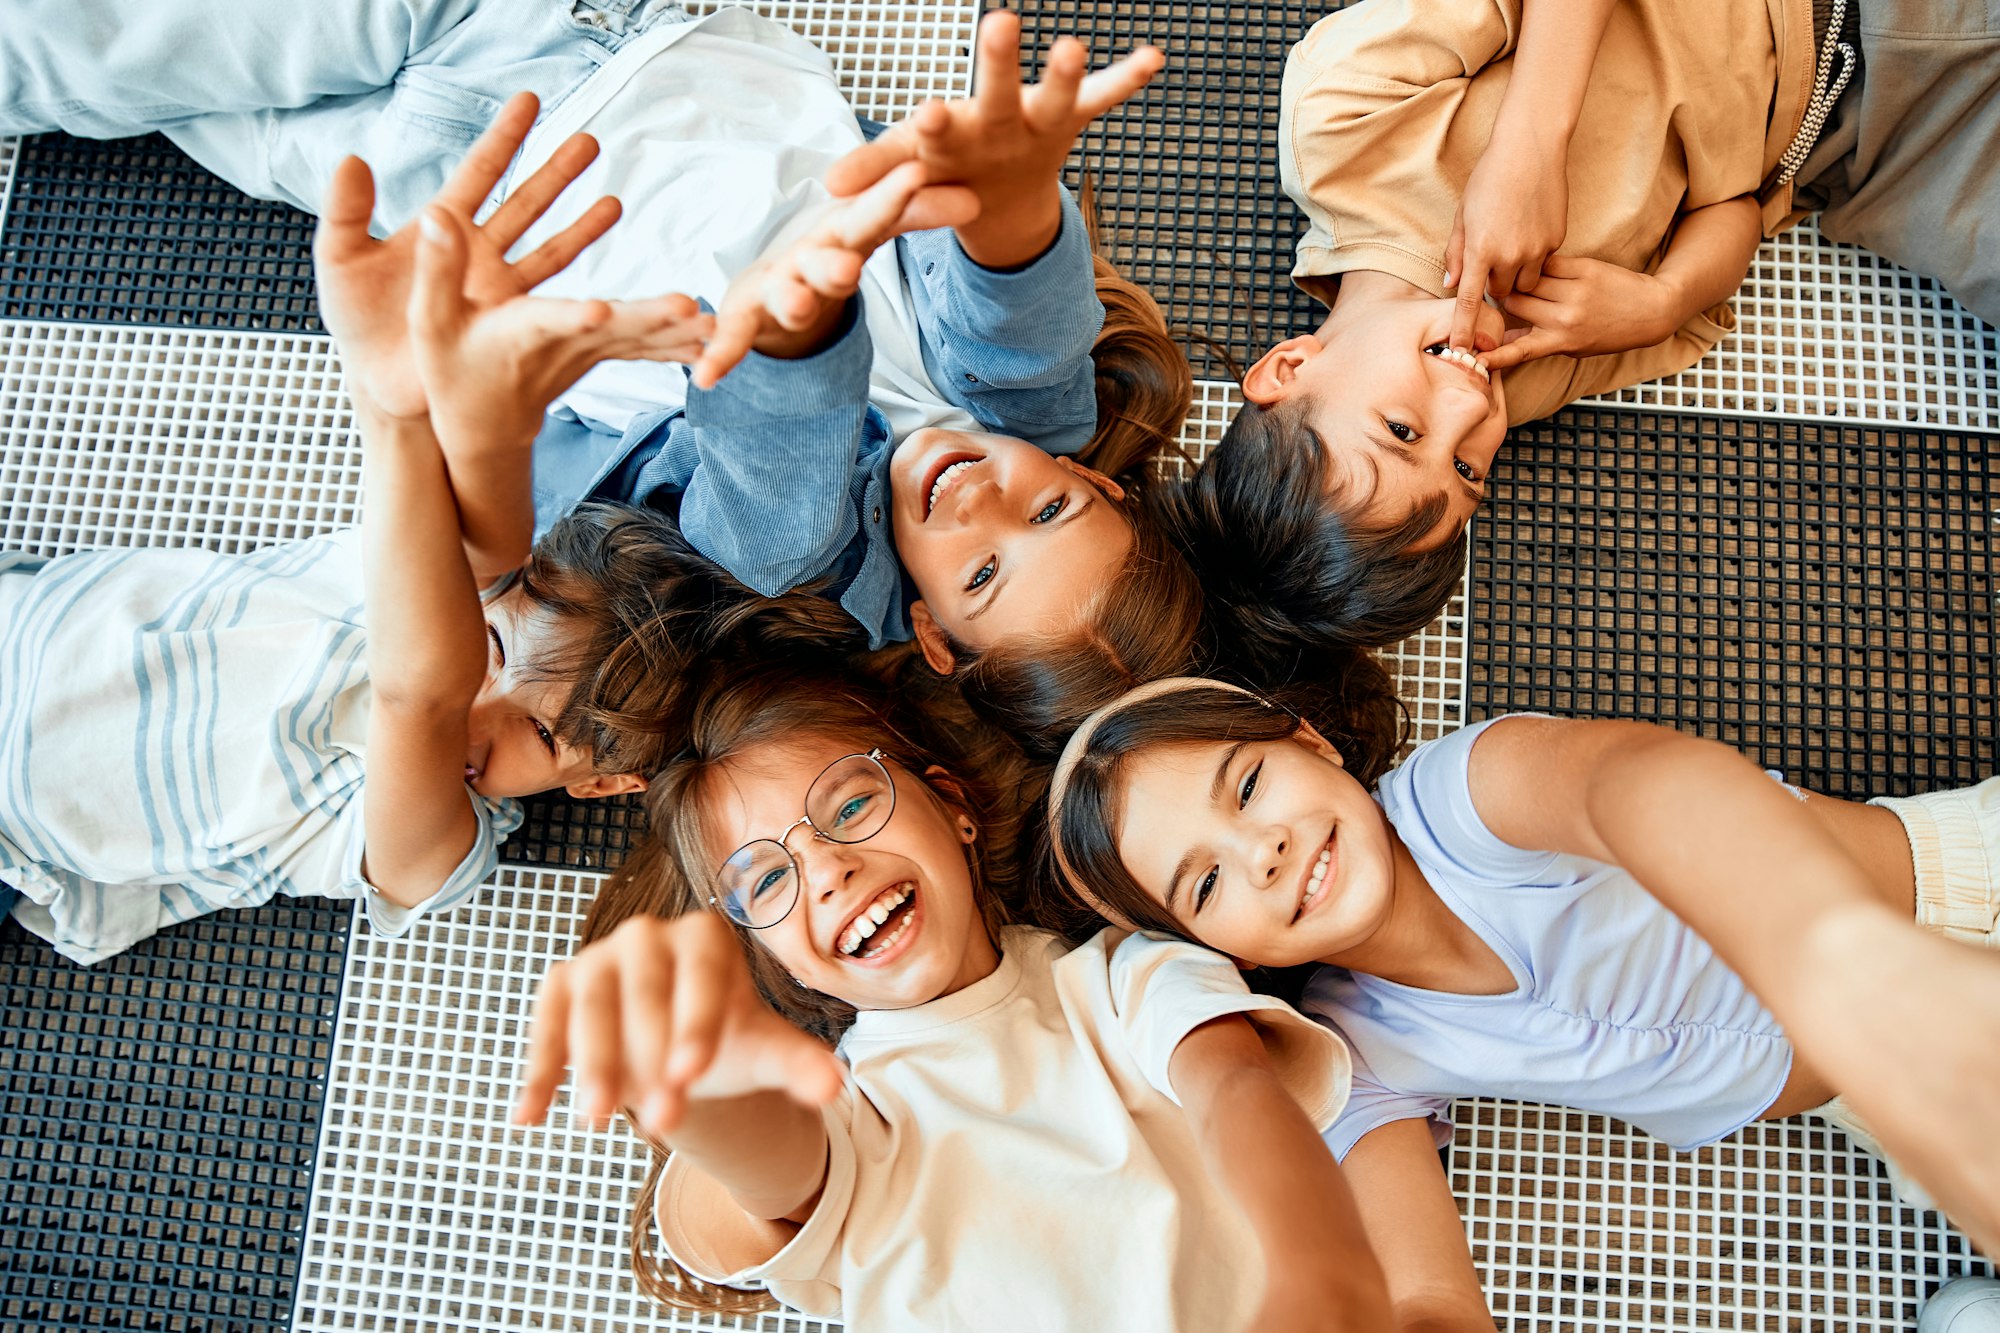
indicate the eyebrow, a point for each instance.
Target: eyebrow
{"x":986,"y":603}
{"x":1215,"y":787}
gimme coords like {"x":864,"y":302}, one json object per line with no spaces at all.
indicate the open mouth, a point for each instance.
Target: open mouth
{"x":880,"y":925}
{"x":943,"y":473}
{"x":1318,"y":876}
{"x":1465,"y":361}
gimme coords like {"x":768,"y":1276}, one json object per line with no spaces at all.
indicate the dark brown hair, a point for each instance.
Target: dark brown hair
{"x":671,"y":871}
{"x":1364,"y":721}
{"x":1290,"y":567}
{"x":643,"y":618}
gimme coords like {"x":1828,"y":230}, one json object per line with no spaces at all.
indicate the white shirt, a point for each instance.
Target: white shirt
{"x":714,"y":135}
{"x":1012,"y":1156}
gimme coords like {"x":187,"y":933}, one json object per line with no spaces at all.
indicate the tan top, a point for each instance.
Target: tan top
{"x":1012,"y":1156}
{"x":1388,"y":104}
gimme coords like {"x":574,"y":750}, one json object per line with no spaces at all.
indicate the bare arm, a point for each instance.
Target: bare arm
{"x":1256,"y":1141}
{"x":1413,"y":1226}
{"x":1710,"y":254}
{"x":1904,"y":1023}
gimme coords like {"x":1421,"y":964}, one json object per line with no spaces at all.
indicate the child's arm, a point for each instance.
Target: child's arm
{"x":661,"y":1016}
{"x":1515,"y":210}
{"x":1258,"y":1144}
{"x":1588,"y":308}
{"x":1903,"y":1022}
{"x":1006,"y":303}
{"x":1413,"y":1226}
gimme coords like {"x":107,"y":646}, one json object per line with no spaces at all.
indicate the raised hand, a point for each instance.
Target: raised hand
{"x":1514,"y":214}
{"x":660,"y":1012}
{"x":1006,"y":142}
{"x":365,"y":284}
{"x":1585,"y":307}
{"x":789,"y":302}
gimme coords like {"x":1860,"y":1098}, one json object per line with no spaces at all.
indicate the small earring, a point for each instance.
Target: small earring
{"x":800,"y":984}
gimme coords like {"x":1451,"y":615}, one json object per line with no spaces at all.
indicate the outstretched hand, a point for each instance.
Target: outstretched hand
{"x":790,"y":302}
{"x":660,"y":1012}
{"x":1006,"y":142}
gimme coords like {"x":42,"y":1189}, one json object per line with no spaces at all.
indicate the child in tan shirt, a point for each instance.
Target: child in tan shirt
{"x":1655,"y":142}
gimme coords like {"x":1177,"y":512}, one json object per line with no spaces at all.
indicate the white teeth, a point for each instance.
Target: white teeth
{"x":937,"y":487}
{"x":1316,"y":879}
{"x":1446,"y":352}
{"x":870,"y":920}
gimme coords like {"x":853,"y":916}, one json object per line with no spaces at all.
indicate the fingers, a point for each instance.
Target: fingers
{"x":646,"y":993}
{"x":1114,"y":83}
{"x":533,"y":196}
{"x":596,"y":1045}
{"x":1465,"y":318}
{"x":787,"y":1058}
{"x":1454,"y":249}
{"x":486,"y":162}
{"x":1050,"y":104}
{"x":700,"y":1005}
{"x":343,"y":216}
{"x":1522,"y":346}
{"x":736,"y":329}
{"x":1529,"y":276}
{"x":996,"y":73}
{"x":554,"y":255}
{"x":870,"y":218}
{"x":548,"y":1049}
{"x":873,"y":160}
{"x":437,"y":302}
{"x":937,"y":206}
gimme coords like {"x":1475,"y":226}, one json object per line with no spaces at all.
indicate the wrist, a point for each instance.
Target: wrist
{"x":1015,"y":234}
{"x":831,"y":324}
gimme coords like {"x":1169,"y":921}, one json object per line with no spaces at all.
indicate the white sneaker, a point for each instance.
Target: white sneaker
{"x":1964,"y":1305}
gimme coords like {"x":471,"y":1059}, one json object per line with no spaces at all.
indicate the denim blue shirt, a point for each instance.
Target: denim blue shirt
{"x":780,"y":474}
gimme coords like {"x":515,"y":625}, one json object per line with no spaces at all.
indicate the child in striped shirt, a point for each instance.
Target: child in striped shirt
{"x":351,"y":715}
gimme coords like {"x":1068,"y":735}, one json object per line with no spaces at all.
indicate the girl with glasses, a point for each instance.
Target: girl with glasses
{"x":1007,"y":1131}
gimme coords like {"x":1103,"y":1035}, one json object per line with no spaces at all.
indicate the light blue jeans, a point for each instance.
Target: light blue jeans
{"x":271,"y":94}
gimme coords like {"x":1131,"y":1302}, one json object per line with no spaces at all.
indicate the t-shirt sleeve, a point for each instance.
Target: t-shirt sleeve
{"x":1542,"y":388}
{"x":497,"y":818}
{"x":1163,"y":988}
{"x":1370,"y":1106}
{"x":1428,"y":797}
{"x":698,"y":1221}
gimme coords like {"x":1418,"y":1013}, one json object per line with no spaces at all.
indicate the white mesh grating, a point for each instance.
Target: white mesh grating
{"x":1835,"y":330}
{"x":1429,"y":667}
{"x":889,"y":55}
{"x":1582,"y":1223}
{"x":122,"y":436}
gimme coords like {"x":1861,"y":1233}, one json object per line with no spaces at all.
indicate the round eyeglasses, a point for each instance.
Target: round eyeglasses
{"x":850,"y":801}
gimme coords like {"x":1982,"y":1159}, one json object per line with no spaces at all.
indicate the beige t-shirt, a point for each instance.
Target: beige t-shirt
{"x":1012,"y":1155}
{"x":1387,"y":106}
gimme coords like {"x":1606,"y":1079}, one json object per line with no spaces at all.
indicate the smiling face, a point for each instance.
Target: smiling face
{"x":511,"y":746}
{"x":1268,"y":851}
{"x":930,"y":940}
{"x":1001,"y":539}
{"x":1405,"y":419}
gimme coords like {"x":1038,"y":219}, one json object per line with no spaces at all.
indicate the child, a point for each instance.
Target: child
{"x":1484,"y":932}
{"x":934,"y":411}
{"x":1013,"y":1133}
{"x":1656,"y":157}
{"x":349,"y":715}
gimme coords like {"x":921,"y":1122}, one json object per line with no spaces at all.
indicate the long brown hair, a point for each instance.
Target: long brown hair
{"x":671,"y":870}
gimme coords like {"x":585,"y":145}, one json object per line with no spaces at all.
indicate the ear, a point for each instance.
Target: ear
{"x":1275,"y":375}
{"x":1308,"y":736}
{"x":1103,"y":483}
{"x":932,"y":641}
{"x":606,"y":784}
{"x":941,"y":779}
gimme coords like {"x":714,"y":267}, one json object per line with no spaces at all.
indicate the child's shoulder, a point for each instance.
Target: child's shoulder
{"x":1428,"y":800}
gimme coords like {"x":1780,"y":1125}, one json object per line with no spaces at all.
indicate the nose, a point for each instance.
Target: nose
{"x":977,"y":494}
{"x":1267,"y":855}
{"x":824,"y":865}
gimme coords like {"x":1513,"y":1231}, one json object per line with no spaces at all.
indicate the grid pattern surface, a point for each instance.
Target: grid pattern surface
{"x":1820,"y":595}
{"x":1186,"y":177}
{"x":430,"y":1212}
{"x":157,"y":1122}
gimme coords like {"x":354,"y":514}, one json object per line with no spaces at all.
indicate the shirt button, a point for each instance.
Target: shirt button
{"x":929,"y":269}
{"x":972,"y":379}
{"x":878,"y":513}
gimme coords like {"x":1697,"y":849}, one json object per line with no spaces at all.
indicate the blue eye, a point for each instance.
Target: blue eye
{"x":771,"y":880}
{"x":1049,"y":511}
{"x":982,"y":578}
{"x":852,"y":810}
